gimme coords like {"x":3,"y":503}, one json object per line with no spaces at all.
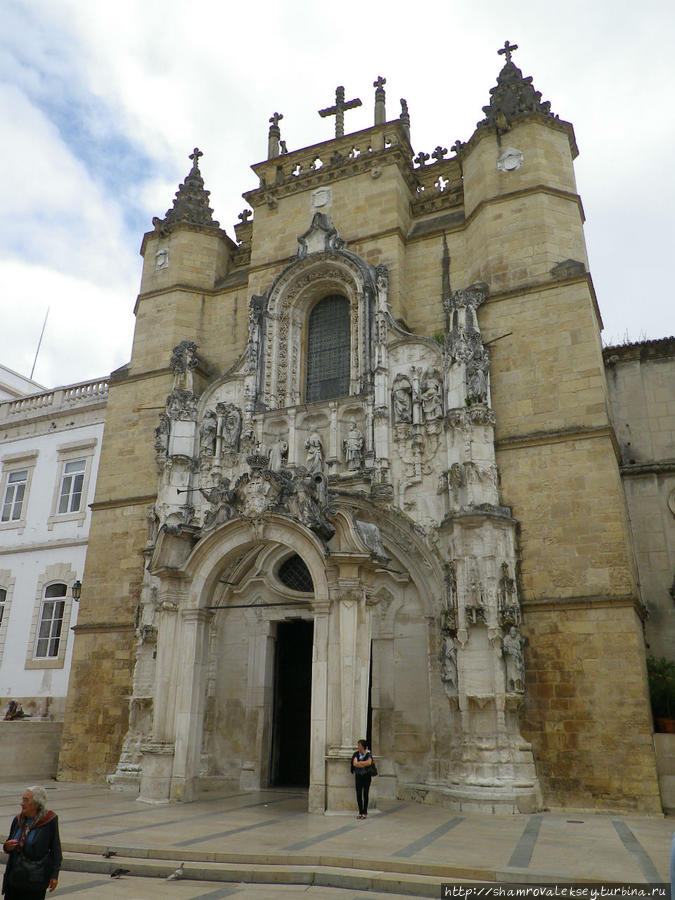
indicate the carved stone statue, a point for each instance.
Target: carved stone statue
{"x":221,"y":499}
{"x":231,"y":417}
{"x":402,"y":397}
{"x":512,"y":648}
{"x":162,"y":435}
{"x":207,"y":434}
{"x":353,"y":448}
{"x":447,"y":658}
{"x":314,"y":458}
{"x":432,"y":396}
{"x":476,"y":380}
{"x":278,"y":456}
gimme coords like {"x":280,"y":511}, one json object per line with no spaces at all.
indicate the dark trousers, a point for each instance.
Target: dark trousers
{"x":362,"y":790}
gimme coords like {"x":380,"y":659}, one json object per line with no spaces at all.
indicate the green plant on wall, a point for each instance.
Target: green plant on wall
{"x":661,"y":674}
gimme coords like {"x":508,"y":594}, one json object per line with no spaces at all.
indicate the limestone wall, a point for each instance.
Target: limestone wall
{"x":30,"y":749}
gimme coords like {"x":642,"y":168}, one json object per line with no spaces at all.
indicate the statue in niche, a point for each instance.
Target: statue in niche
{"x":512,"y":648}
{"x":207,"y":434}
{"x":402,"y":396}
{"x":278,"y":456}
{"x":432,"y":396}
{"x":221,"y":499}
{"x":162,"y":435}
{"x":231,"y":426}
{"x":447,"y":658}
{"x":476,"y":374}
{"x":314,"y":458}
{"x":353,"y":448}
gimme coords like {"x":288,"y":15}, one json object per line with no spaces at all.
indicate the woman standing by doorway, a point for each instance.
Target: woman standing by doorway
{"x":361,"y":763}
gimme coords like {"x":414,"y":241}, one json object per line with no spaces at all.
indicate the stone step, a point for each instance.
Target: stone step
{"x":77,"y":849}
{"x":346,"y":876}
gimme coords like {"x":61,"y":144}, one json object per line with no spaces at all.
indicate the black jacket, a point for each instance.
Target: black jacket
{"x":45,"y":845}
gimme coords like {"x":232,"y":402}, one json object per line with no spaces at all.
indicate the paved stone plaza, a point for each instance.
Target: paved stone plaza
{"x":256,"y":845}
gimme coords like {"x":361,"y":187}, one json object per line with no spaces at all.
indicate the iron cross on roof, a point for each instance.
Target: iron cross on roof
{"x":339,"y":110}
{"x":507,"y":50}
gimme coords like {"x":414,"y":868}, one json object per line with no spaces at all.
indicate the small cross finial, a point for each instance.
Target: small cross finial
{"x":457,"y":147}
{"x":276,"y":118}
{"x":439,"y":153}
{"x":245,"y":215}
{"x":380,"y":82}
{"x":507,"y":50}
{"x":421,"y":158}
{"x":339,"y":110}
{"x":196,"y":153}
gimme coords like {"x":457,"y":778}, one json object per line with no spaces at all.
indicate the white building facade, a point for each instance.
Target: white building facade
{"x":49,"y":448}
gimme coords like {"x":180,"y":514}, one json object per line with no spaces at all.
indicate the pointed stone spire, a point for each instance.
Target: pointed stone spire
{"x":405,"y":118}
{"x":191,"y":204}
{"x":512,"y":97}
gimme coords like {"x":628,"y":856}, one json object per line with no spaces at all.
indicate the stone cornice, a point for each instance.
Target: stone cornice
{"x":558,"y":436}
{"x":187,"y":226}
{"x":533,"y":189}
{"x":123,"y":502}
{"x":37,"y":546}
{"x":591,"y":601}
{"x":540,"y":118}
{"x":666,"y":467}
{"x":98,"y":627}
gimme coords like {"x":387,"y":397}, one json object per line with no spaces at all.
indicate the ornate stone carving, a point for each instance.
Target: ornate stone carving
{"x":221,"y":499}
{"x":162,"y":436}
{"x":353,"y":448}
{"x":321,"y":237}
{"x":512,"y":649}
{"x":191,"y":204}
{"x":371,"y":536}
{"x":507,"y":600}
{"x":182,"y":405}
{"x":513,"y":97}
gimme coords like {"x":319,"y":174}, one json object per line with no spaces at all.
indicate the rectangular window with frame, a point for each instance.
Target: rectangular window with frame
{"x":70,"y":496}
{"x":51,"y":621}
{"x":15,"y":493}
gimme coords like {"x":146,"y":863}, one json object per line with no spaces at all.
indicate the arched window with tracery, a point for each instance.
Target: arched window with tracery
{"x":328,"y":349}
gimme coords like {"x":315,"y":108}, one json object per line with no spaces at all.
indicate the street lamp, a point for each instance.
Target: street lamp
{"x":76,"y":589}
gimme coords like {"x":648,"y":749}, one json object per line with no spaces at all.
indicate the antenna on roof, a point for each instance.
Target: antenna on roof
{"x":39,"y":342}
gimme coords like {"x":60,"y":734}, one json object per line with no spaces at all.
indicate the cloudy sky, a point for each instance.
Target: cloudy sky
{"x":101,"y":102}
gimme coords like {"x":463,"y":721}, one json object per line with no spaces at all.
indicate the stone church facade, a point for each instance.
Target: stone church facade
{"x":359,"y":479}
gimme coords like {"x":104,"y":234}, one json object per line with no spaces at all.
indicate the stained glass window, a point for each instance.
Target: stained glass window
{"x":328,"y":346}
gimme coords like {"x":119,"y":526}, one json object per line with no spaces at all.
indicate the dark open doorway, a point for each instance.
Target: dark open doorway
{"x":292,"y":704}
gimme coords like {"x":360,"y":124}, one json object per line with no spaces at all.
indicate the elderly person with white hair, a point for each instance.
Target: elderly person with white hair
{"x":33,"y":848}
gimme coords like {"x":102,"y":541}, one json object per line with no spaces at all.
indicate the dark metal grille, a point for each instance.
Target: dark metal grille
{"x":295,"y":575}
{"x":328,"y":347}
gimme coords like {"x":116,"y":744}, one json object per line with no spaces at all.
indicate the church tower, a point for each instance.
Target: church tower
{"x":359,"y":480}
